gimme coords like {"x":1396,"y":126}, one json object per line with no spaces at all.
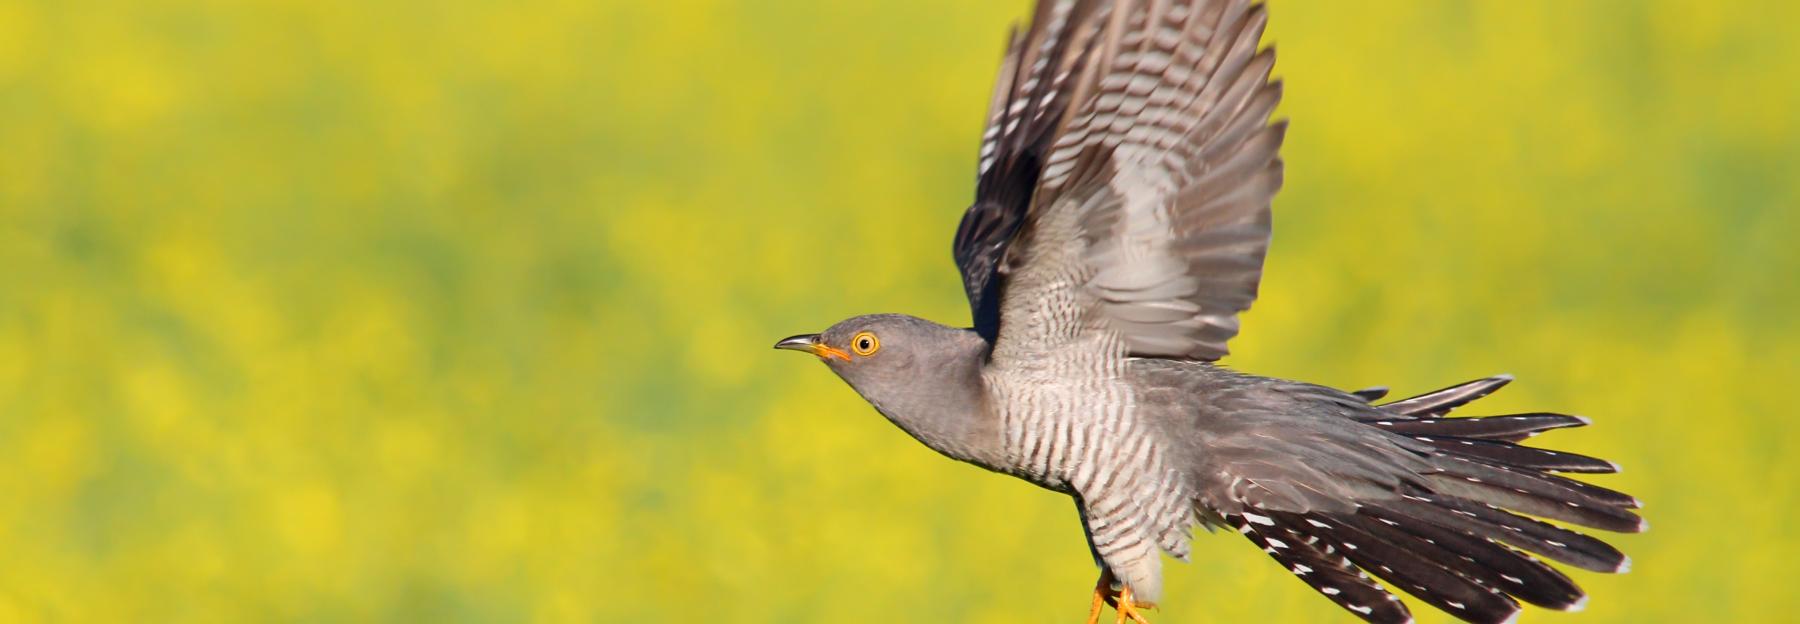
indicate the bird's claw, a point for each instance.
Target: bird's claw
{"x":1120,"y":600}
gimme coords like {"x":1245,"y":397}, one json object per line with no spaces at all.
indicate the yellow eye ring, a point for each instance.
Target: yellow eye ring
{"x":865,"y":344}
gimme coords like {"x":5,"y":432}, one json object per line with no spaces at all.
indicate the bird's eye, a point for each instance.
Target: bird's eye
{"x":865,"y":344}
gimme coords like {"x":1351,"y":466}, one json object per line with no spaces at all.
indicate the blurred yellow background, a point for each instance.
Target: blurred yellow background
{"x":461,"y":311}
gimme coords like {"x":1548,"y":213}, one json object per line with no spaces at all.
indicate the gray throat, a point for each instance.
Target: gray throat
{"x":944,"y":405}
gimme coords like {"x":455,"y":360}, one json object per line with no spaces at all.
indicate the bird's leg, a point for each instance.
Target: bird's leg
{"x":1128,"y":608}
{"x":1102,"y":596}
{"x":1120,"y":599}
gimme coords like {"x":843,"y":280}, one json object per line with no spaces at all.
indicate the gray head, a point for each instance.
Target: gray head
{"x":923,"y":376}
{"x":883,"y":356}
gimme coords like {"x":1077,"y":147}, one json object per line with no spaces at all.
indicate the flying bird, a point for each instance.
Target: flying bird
{"x":1120,"y":221}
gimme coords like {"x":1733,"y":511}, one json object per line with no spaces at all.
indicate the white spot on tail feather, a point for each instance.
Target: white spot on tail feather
{"x":1579,"y":604}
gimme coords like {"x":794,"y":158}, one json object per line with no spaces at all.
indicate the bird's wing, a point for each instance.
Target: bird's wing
{"x":1126,"y":178}
{"x":1031,"y":95}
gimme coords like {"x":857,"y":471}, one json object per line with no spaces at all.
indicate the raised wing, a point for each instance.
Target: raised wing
{"x":1141,"y":131}
{"x":1031,"y":96}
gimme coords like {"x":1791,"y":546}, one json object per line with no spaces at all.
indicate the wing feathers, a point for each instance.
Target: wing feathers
{"x":1031,"y":94}
{"x":1160,"y":110}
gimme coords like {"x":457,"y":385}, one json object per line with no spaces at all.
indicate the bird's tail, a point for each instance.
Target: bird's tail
{"x":1456,"y":542}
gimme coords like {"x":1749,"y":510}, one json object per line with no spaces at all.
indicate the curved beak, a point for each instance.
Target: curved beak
{"x":810,"y":343}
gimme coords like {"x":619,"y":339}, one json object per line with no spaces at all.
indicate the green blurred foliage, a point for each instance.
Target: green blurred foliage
{"x":460,"y":311}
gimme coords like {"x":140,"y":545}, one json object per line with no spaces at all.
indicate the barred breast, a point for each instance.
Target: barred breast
{"x":1083,"y":435}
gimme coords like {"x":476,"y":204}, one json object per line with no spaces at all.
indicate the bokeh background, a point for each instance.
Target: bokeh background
{"x":445,"y":311}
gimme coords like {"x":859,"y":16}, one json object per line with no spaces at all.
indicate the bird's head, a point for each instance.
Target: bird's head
{"x":894,"y":360}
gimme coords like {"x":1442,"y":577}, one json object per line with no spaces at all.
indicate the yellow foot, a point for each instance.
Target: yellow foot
{"x":1127,"y":608}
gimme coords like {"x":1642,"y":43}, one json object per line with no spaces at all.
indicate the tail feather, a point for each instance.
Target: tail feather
{"x":1420,"y":568}
{"x":1609,"y":496}
{"x":1493,"y":564}
{"x":1322,"y":566}
{"x":1437,"y":403}
{"x":1371,"y":395}
{"x":1458,"y":528}
{"x":1535,"y":493}
{"x":1463,"y":571}
{"x":1453,"y":437}
{"x":1481,"y":462}
{"x":1513,"y":455}
{"x":1508,"y":428}
{"x":1536,"y":536}
{"x":1563,"y":509}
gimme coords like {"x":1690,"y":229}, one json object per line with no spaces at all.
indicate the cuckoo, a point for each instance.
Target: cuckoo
{"x":1120,"y":221}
